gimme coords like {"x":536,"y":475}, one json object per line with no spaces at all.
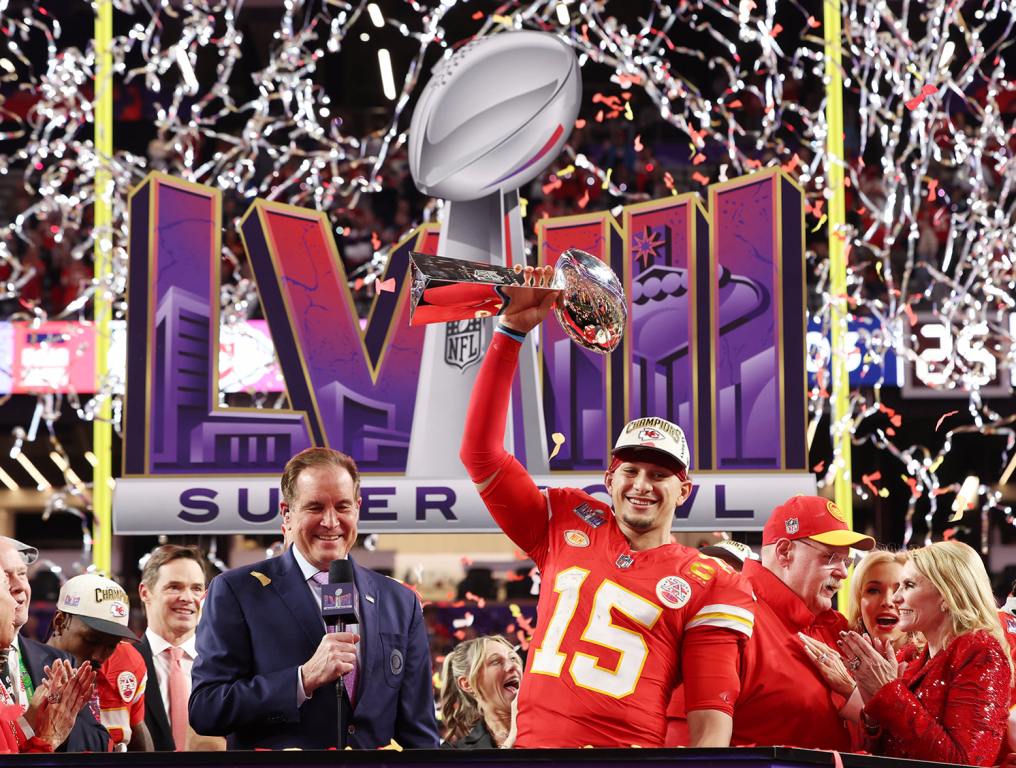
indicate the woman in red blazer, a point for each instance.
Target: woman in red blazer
{"x":949,"y":701}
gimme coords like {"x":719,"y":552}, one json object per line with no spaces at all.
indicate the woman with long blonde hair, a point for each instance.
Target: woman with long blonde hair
{"x":480,"y":680}
{"x":950,"y":703}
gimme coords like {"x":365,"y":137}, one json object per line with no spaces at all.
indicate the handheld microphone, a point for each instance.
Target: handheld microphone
{"x":337,"y":610}
{"x":337,"y":595}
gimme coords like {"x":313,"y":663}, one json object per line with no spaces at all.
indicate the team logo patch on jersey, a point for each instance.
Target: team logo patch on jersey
{"x":673,"y":591}
{"x":575,"y":538}
{"x":624,"y":561}
{"x":836,"y":511}
{"x":127,"y":684}
{"x":590,"y":516}
{"x":792,"y":525}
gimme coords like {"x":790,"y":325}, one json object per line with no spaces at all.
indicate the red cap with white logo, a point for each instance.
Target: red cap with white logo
{"x":99,"y":602}
{"x":653,"y":439}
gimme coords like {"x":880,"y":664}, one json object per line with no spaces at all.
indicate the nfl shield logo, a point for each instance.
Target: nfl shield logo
{"x":792,"y":526}
{"x":463,"y":342}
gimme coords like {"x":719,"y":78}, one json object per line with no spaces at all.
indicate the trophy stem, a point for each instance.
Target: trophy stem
{"x":484,"y":230}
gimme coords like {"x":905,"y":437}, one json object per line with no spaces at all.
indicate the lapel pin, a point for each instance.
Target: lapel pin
{"x":265,"y":581}
{"x":369,"y":598}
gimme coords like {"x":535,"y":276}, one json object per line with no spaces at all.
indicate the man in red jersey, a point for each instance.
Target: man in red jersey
{"x":624,"y":614}
{"x":91,"y":624}
{"x":805,"y":555}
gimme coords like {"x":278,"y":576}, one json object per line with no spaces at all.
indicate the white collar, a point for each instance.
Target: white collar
{"x":159,"y":644}
{"x":307,"y":568}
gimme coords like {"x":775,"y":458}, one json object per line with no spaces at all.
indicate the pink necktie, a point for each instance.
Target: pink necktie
{"x":177,"y":698}
{"x":321,"y":578}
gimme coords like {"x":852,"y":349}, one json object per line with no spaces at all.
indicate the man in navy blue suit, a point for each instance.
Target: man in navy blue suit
{"x":267,"y":673}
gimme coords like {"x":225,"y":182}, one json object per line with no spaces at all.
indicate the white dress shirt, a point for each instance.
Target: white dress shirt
{"x":159,"y":645}
{"x":308,"y":570}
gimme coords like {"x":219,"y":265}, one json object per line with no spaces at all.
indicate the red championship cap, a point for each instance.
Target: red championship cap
{"x":815,"y":518}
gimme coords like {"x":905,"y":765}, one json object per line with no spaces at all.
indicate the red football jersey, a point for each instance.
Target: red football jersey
{"x":606,"y":654}
{"x":121,"y":687}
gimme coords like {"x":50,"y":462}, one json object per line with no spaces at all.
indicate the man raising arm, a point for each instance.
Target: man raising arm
{"x":624,"y":615}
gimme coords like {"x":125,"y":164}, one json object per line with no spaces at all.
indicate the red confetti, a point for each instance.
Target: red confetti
{"x":943,"y":417}
{"x":459,"y":634}
{"x":668,"y":180}
{"x":358,"y":284}
{"x":814,"y":23}
{"x":817,"y":469}
{"x":375,"y":241}
{"x":698,"y":159}
{"x":638,"y":143}
{"x":790,"y":165}
{"x":926,"y":91}
{"x":932,"y":187}
{"x":580,"y":123}
{"x":387,"y":285}
{"x":948,"y":533}
{"x":869,"y":481}
{"x":701,"y":179}
{"x":550,"y":186}
{"x":753,"y":163}
{"x":480,"y":602}
{"x":477,"y":16}
{"x":735,"y":104}
{"x":584,"y":200}
{"x":777,"y":28}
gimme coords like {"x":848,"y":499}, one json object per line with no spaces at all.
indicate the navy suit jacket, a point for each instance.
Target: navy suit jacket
{"x":261,"y":622}
{"x":88,"y":734}
{"x":155,"y":711}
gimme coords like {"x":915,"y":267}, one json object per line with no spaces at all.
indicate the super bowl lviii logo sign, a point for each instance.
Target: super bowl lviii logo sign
{"x":715,"y":343}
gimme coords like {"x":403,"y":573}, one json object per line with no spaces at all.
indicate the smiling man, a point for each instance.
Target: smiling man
{"x":624,"y":614}
{"x":805,"y":557}
{"x":268,"y":675}
{"x":172,"y":587}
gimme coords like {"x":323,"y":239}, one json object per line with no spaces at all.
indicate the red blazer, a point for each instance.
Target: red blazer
{"x":951,"y":708}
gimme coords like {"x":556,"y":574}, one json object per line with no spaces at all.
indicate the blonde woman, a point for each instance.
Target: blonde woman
{"x":950,"y":703}
{"x":871,"y":609}
{"x":481,"y":679}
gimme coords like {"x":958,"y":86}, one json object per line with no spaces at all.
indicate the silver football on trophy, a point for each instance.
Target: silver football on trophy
{"x":592,"y":309}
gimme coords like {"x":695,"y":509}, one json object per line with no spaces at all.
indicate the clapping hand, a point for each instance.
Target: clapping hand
{"x":873,"y":664}
{"x":829,"y":664}
{"x":58,"y":699}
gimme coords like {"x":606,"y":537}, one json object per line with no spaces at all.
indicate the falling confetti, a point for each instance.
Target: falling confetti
{"x":558,"y":439}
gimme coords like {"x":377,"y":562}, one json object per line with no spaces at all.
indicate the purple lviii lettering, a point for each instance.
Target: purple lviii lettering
{"x":359,"y":386}
{"x":173,"y":424}
{"x":582,"y":393}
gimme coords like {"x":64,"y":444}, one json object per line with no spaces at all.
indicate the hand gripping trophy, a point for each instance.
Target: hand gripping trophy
{"x":492,"y":118}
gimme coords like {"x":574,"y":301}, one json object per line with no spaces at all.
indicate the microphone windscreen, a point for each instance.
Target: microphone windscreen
{"x":340,"y":571}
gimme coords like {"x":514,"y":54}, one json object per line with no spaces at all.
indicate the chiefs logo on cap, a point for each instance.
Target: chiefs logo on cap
{"x":836,"y":511}
{"x":118,"y":609}
{"x":649,"y":434}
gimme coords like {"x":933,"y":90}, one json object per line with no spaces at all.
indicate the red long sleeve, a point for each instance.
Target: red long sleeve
{"x":961,"y":713}
{"x":511,"y":496}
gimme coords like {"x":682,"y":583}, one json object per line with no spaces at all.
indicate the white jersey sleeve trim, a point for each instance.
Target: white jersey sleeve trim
{"x":724,"y":617}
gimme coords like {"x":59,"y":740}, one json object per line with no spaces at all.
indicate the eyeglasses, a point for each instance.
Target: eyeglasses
{"x":832,"y":559}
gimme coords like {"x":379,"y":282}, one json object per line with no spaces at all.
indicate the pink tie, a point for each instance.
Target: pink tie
{"x":321,"y":578}
{"x":177,"y":698}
